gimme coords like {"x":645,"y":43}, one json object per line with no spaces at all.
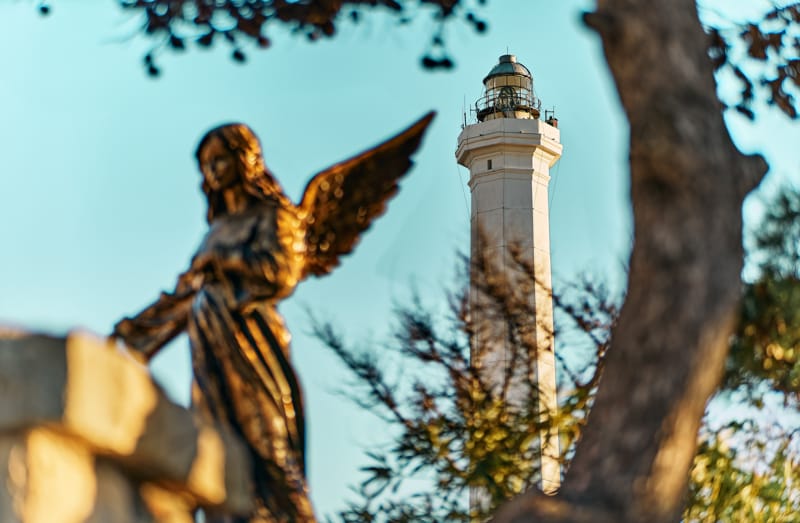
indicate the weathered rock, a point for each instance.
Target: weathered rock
{"x":86,"y":435}
{"x":53,"y":477}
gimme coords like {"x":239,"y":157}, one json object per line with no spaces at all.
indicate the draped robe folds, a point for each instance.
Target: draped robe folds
{"x":240,"y":348}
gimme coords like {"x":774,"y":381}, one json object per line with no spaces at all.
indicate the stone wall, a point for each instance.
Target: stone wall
{"x":87,"y":436}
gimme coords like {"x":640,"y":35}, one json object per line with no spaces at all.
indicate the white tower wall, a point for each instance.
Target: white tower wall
{"x":509,"y":160}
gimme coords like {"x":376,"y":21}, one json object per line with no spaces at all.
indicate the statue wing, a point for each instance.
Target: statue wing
{"x":340,"y":202}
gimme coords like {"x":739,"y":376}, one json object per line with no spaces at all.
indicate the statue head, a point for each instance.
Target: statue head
{"x":229,"y":156}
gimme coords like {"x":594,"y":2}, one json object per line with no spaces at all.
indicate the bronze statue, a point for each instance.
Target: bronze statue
{"x":258,"y":248}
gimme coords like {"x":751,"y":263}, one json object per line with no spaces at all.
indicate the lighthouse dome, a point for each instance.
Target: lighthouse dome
{"x":508,"y":92}
{"x":508,"y":65}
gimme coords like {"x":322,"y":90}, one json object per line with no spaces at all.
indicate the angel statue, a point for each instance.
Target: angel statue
{"x":259,"y":246}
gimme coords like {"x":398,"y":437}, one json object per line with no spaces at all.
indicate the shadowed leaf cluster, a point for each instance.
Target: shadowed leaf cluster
{"x":745,"y":471}
{"x":762,"y":55}
{"x":174,"y":24}
{"x":765,"y":352}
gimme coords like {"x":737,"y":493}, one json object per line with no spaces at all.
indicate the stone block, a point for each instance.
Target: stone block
{"x":517,"y":194}
{"x":487,"y":196}
{"x":53,"y":478}
{"x":518,"y":226}
{"x":94,"y":394}
{"x":490,"y":228}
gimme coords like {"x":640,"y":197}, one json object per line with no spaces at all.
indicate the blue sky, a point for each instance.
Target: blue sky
{"x":101,"y":207}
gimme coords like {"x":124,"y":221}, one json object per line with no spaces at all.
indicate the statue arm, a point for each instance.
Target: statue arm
{"x":243,"y":259}
{"x":159,"y":323}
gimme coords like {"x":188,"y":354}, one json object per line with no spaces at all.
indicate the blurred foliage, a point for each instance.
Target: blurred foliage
{"x":776,"y":241}
{"x":175,"y":24}
{"x":745,"y":471}
{"x":458,"y":423}
{"x":453,"y":429}
{"x":763,"y":55}
{"x":765,"y":351}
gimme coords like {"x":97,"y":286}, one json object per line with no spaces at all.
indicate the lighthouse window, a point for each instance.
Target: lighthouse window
{"x":489,"y":165}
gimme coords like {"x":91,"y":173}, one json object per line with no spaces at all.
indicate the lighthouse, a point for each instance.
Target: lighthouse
{"x":509,"y":151}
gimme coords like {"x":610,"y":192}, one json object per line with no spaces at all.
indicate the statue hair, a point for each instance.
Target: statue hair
{"x":257,"y":180}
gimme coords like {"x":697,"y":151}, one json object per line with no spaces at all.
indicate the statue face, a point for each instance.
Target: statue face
{"x":219,"y":166}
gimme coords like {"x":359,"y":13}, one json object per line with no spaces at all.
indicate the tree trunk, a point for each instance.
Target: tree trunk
{"x":688,"y":182}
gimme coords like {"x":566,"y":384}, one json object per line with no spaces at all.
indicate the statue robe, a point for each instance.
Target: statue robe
{"x":240,"y":347}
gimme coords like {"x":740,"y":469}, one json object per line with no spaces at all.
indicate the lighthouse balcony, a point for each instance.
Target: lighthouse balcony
{"x":508,"y":103}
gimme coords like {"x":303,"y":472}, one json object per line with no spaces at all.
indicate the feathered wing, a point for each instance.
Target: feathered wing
{"x":341,"y":202}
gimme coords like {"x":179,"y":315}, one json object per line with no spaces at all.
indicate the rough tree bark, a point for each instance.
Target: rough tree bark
{"x":688,"y":182}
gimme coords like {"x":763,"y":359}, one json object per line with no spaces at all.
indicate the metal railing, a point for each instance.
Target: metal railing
{"x":507,"y":99}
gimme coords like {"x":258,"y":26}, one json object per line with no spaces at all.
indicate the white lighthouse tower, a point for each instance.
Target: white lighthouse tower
{"x":509,"y":152}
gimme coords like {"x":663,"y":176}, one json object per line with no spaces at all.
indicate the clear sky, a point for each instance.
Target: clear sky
{"x":101,"y":207}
